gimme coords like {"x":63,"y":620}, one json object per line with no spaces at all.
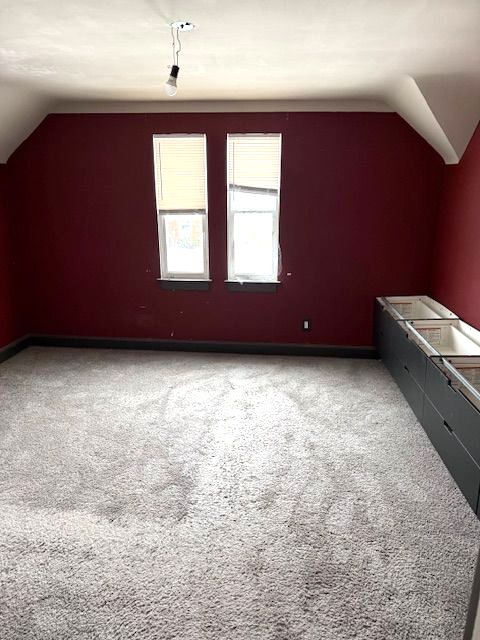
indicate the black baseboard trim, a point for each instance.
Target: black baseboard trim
{"x":263,"y":348}
{"x":11,"y":349}
{"x":198,"y":346}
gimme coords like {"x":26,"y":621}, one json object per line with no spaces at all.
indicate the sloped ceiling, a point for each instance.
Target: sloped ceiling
{"x":420,"y":58}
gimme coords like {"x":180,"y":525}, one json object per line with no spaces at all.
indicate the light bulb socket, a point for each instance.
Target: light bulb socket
{"x":174,"y":71}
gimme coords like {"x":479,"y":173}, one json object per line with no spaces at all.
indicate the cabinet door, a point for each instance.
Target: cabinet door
{"x":389,"y":332}
{"x":461,"y":465}
{"x":414,"y":360}
{"x":410,"y":389}
{"x":456,"y":410}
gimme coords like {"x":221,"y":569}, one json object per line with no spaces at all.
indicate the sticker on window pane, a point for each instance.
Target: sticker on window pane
{"x":184,"y":240}
{"x":253,"y":244}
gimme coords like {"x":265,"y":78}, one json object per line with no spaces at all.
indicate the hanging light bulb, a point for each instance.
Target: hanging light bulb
{"x":175,"y":28}
{"x":171,"y":83}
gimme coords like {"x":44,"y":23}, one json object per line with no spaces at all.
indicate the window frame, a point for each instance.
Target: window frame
{"x":165,"y":274}
{"x":239,"y":278}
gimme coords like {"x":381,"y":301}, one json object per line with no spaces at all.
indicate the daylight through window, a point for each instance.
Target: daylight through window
{"x":253,"y":186}
{"x":181,"y":191}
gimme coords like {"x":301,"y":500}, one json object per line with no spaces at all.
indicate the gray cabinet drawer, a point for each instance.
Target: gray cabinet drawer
{"x":384,"y":327}
{"x":410,"y":389}
{"x":414,"y":359}
{"x":386,"y":353}
{"x":461,"y":465}
{"x":382,"y":322}
{"x":393,"y":341}
{"x":454,"y":407}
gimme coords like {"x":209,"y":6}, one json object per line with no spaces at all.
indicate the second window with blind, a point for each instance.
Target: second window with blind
{"x":253,"y":199}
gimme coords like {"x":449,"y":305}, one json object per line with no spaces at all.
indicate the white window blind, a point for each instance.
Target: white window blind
{"x":181,"y":193}
{"x":254,"y":161}
{"x":180,"y":172}
{"x":253,"y":181}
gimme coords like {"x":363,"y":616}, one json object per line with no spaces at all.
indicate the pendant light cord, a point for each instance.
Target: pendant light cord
{"x":176,"y":44}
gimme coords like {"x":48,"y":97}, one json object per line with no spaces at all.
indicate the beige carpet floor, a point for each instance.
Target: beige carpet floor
{"x":156,"y":496}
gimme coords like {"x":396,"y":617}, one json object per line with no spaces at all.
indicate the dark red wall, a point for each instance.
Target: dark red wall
{"x":456,"y":279}
{"x":358,"y":202}
{"x":9,"y":328}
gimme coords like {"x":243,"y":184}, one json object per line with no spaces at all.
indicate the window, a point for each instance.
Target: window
{"x":181,"y":191}
{"x":253,"y":185}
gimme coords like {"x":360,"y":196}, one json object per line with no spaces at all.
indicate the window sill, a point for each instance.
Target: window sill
{"x":252,"y":286}
{"x":184,"y":285}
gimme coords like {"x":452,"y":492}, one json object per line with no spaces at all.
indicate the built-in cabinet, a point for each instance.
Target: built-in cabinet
{"x":434,"y":357}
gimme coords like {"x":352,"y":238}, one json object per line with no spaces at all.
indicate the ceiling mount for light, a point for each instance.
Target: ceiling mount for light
{"x":176,"y":28}
{"x":182,"y":25}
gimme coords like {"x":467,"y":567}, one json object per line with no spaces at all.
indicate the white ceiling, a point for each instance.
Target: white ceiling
{"x":418,"y":57}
